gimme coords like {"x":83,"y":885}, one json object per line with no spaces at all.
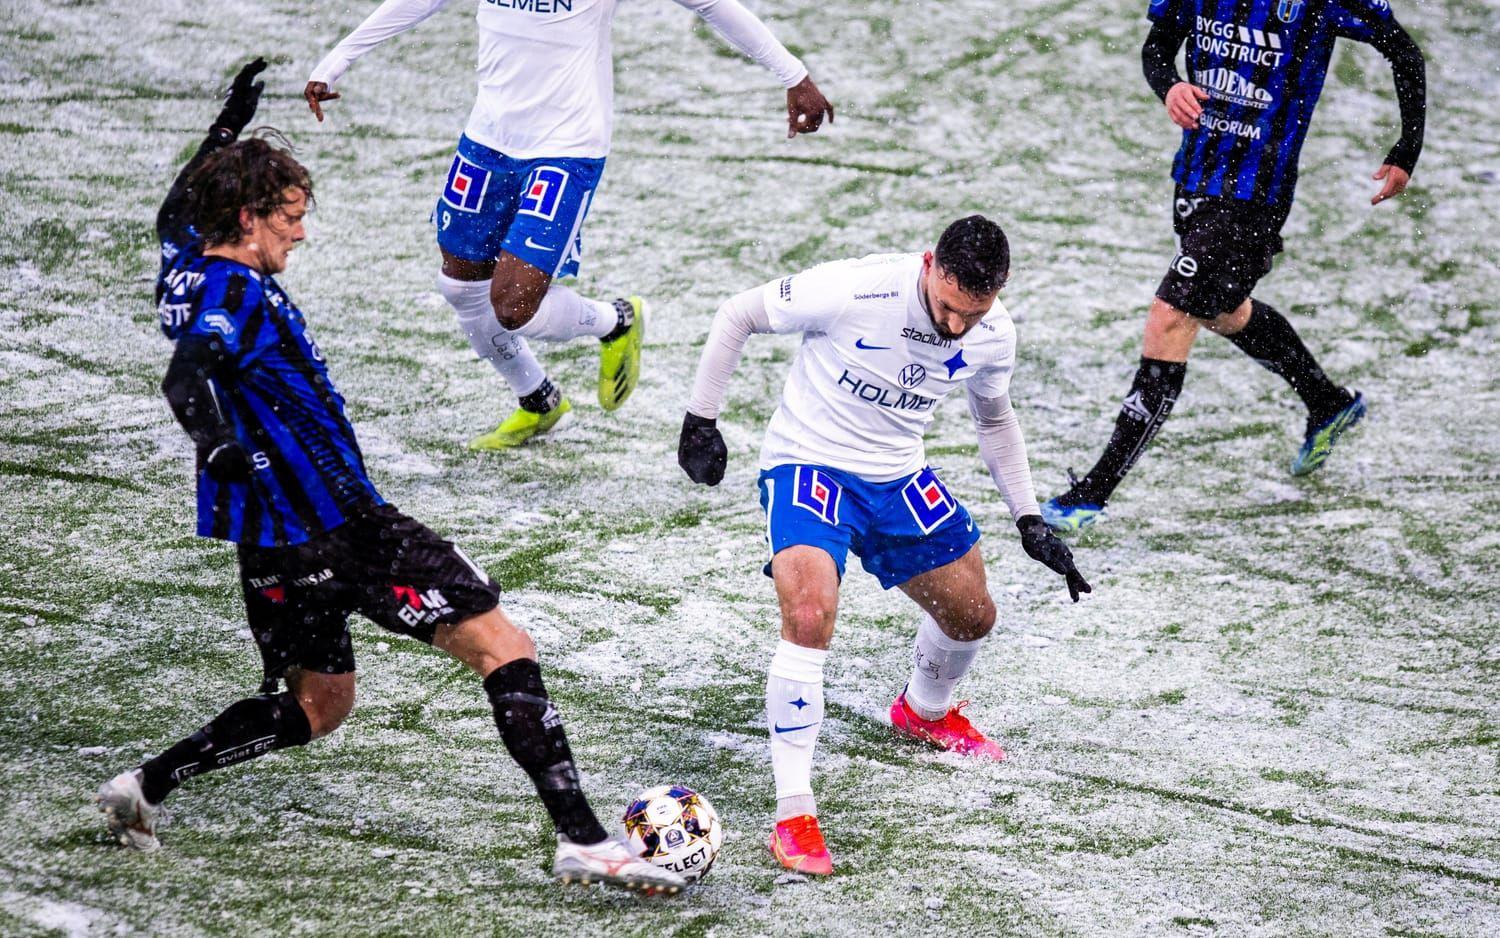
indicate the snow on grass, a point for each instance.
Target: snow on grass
{"x":1277,"y":713}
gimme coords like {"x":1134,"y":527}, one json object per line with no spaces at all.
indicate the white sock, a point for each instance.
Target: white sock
{"x":565,"y":315}
{"x":507,"y":351}
{"x":794,"y":714}
{"x":940,"y":663}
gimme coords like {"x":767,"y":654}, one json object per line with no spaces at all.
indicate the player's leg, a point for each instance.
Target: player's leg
{"x":542,"y":244}
{"x":476,"y":206}
{"x":302,"y":638}
{"x":807,"y":589}
{"x":925,"y":542}
{"x":811,"y":519}
{"x":1207,"y":279}
{"x":1260,"y":331}
{"x":959,"y":615}
{"x":419,"y":584}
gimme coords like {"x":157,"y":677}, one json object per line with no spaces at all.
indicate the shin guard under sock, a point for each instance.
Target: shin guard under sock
{"x":248,"y":728}
{"x":1270,"y":340}
{"x":1152,"y":394}
{"x":533,"y":732}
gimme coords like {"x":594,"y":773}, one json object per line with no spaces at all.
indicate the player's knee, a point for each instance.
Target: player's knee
{"x":808,"y":623}
{"x":514,"y":306}
{"x":969,"y":622}
{"x":327,"y":705}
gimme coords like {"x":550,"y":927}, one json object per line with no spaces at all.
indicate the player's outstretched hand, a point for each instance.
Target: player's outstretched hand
{"x":1395,"y":178}
{"x":227,"y":462}
{"x":1043,"y":546}
{"x":316,"y":93}
{"x":244,"y":97}
{"x":805,"y":105}
{"x":1183,"y":106}
{"x":701,"y":451}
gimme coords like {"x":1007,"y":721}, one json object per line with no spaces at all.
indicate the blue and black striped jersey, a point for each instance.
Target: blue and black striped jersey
{"x":308,"y":473}
{"x":1262,"y":63}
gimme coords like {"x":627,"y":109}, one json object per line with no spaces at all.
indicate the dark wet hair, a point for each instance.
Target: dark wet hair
{"x":249,"y":173}
{"x":974,"y":252}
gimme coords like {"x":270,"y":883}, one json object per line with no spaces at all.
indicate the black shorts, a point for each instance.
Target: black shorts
{"x":393,"y":570}
{"x":1225,"y":245}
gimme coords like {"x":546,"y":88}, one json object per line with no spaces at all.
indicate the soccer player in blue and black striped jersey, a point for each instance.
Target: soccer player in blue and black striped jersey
{"x":280,"y":474}
{"x":1256,"y":68}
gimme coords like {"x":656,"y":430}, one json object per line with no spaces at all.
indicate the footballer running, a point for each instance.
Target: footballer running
{"x":884,"y":340}
{"x":510,"y":217}
{"x":281,"y":475}
{"x":1255,"y":70}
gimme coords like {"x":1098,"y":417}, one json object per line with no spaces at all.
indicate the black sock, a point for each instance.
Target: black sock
{"x":624,"y":317}
{"x":543,"y":399}
{"x":248,"y":728}
{"x":1270,"y":340}
{"x":533,"y":732}
{"x":1152,"y":394}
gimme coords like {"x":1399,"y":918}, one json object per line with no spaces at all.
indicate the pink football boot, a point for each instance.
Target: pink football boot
{"x":798,"y":844}
{"x":953,"y":732}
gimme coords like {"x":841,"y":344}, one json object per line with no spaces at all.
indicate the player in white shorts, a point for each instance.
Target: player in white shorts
{"x":884,"y":340}
{"x":528,"y":164}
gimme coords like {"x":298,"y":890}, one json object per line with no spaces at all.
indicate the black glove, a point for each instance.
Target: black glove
{"x":701,"y":451}
{"x":225,"y":461}
{"x":244,"y":95}
{"x":1043,"y":546}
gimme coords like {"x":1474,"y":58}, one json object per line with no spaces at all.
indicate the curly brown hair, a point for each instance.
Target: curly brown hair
{"x":250,"y":173}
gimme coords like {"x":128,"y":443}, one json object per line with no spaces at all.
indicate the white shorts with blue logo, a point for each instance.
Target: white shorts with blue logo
{"x":897,"y":529}
{"x":531,"y":209}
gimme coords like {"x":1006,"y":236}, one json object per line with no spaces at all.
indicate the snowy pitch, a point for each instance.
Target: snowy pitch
{"x":1278,"y":714}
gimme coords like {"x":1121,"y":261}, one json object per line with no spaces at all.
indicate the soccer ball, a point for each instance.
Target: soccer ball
{"x":675,"y":828}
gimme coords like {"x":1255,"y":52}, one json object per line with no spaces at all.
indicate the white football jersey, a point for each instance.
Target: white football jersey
{"x":872,"y":369}
{"x":546,"y":73}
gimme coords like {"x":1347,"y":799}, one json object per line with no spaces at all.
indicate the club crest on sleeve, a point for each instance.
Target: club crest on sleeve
{"x":1288,"y":11}
{"x":543,"y":192}
{"x":466,"y":185}
{"x":928,"y":500}
{"x":219,"y":323}
{"x":818,"y":493}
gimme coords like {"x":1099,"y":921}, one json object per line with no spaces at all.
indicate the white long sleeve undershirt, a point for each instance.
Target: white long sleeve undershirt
{"x":1002,"y":449}
{"x":738,"y":318}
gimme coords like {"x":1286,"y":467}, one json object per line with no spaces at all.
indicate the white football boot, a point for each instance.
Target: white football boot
{"x":610,"y":861}
{"x":129,"y":816}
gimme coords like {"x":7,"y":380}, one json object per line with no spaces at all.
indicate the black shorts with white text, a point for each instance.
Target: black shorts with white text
{"x":380,"y":563}
{"x":1225,"y":245}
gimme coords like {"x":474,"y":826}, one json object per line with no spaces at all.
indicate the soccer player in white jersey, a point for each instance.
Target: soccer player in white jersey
{"x":511,"y":213}
{"x":884,"y":340}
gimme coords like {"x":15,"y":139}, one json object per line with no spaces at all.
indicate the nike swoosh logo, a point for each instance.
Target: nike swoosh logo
{"x":537,"y":247}
{"x":787,"y":729}
{"x":860,"y":344}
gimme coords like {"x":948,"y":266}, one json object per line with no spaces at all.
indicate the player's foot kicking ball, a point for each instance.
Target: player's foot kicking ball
{"x":521,"y":426}
{"x":798,"y":845}
{"x":130,"y":817}
{"x":611,"y":862}
{"x":1322,"y":435}
{"x":953,"y":732}
{"x":620,"y":358}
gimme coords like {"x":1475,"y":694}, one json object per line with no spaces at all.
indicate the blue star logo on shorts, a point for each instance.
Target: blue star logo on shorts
{"x":956,"y":363}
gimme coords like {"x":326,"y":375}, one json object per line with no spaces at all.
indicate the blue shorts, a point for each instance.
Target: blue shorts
{"x":531,"y":209}
{"x":897,"y":529}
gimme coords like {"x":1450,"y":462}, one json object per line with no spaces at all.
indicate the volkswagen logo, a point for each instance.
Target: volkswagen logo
{"x":913,"y":375}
